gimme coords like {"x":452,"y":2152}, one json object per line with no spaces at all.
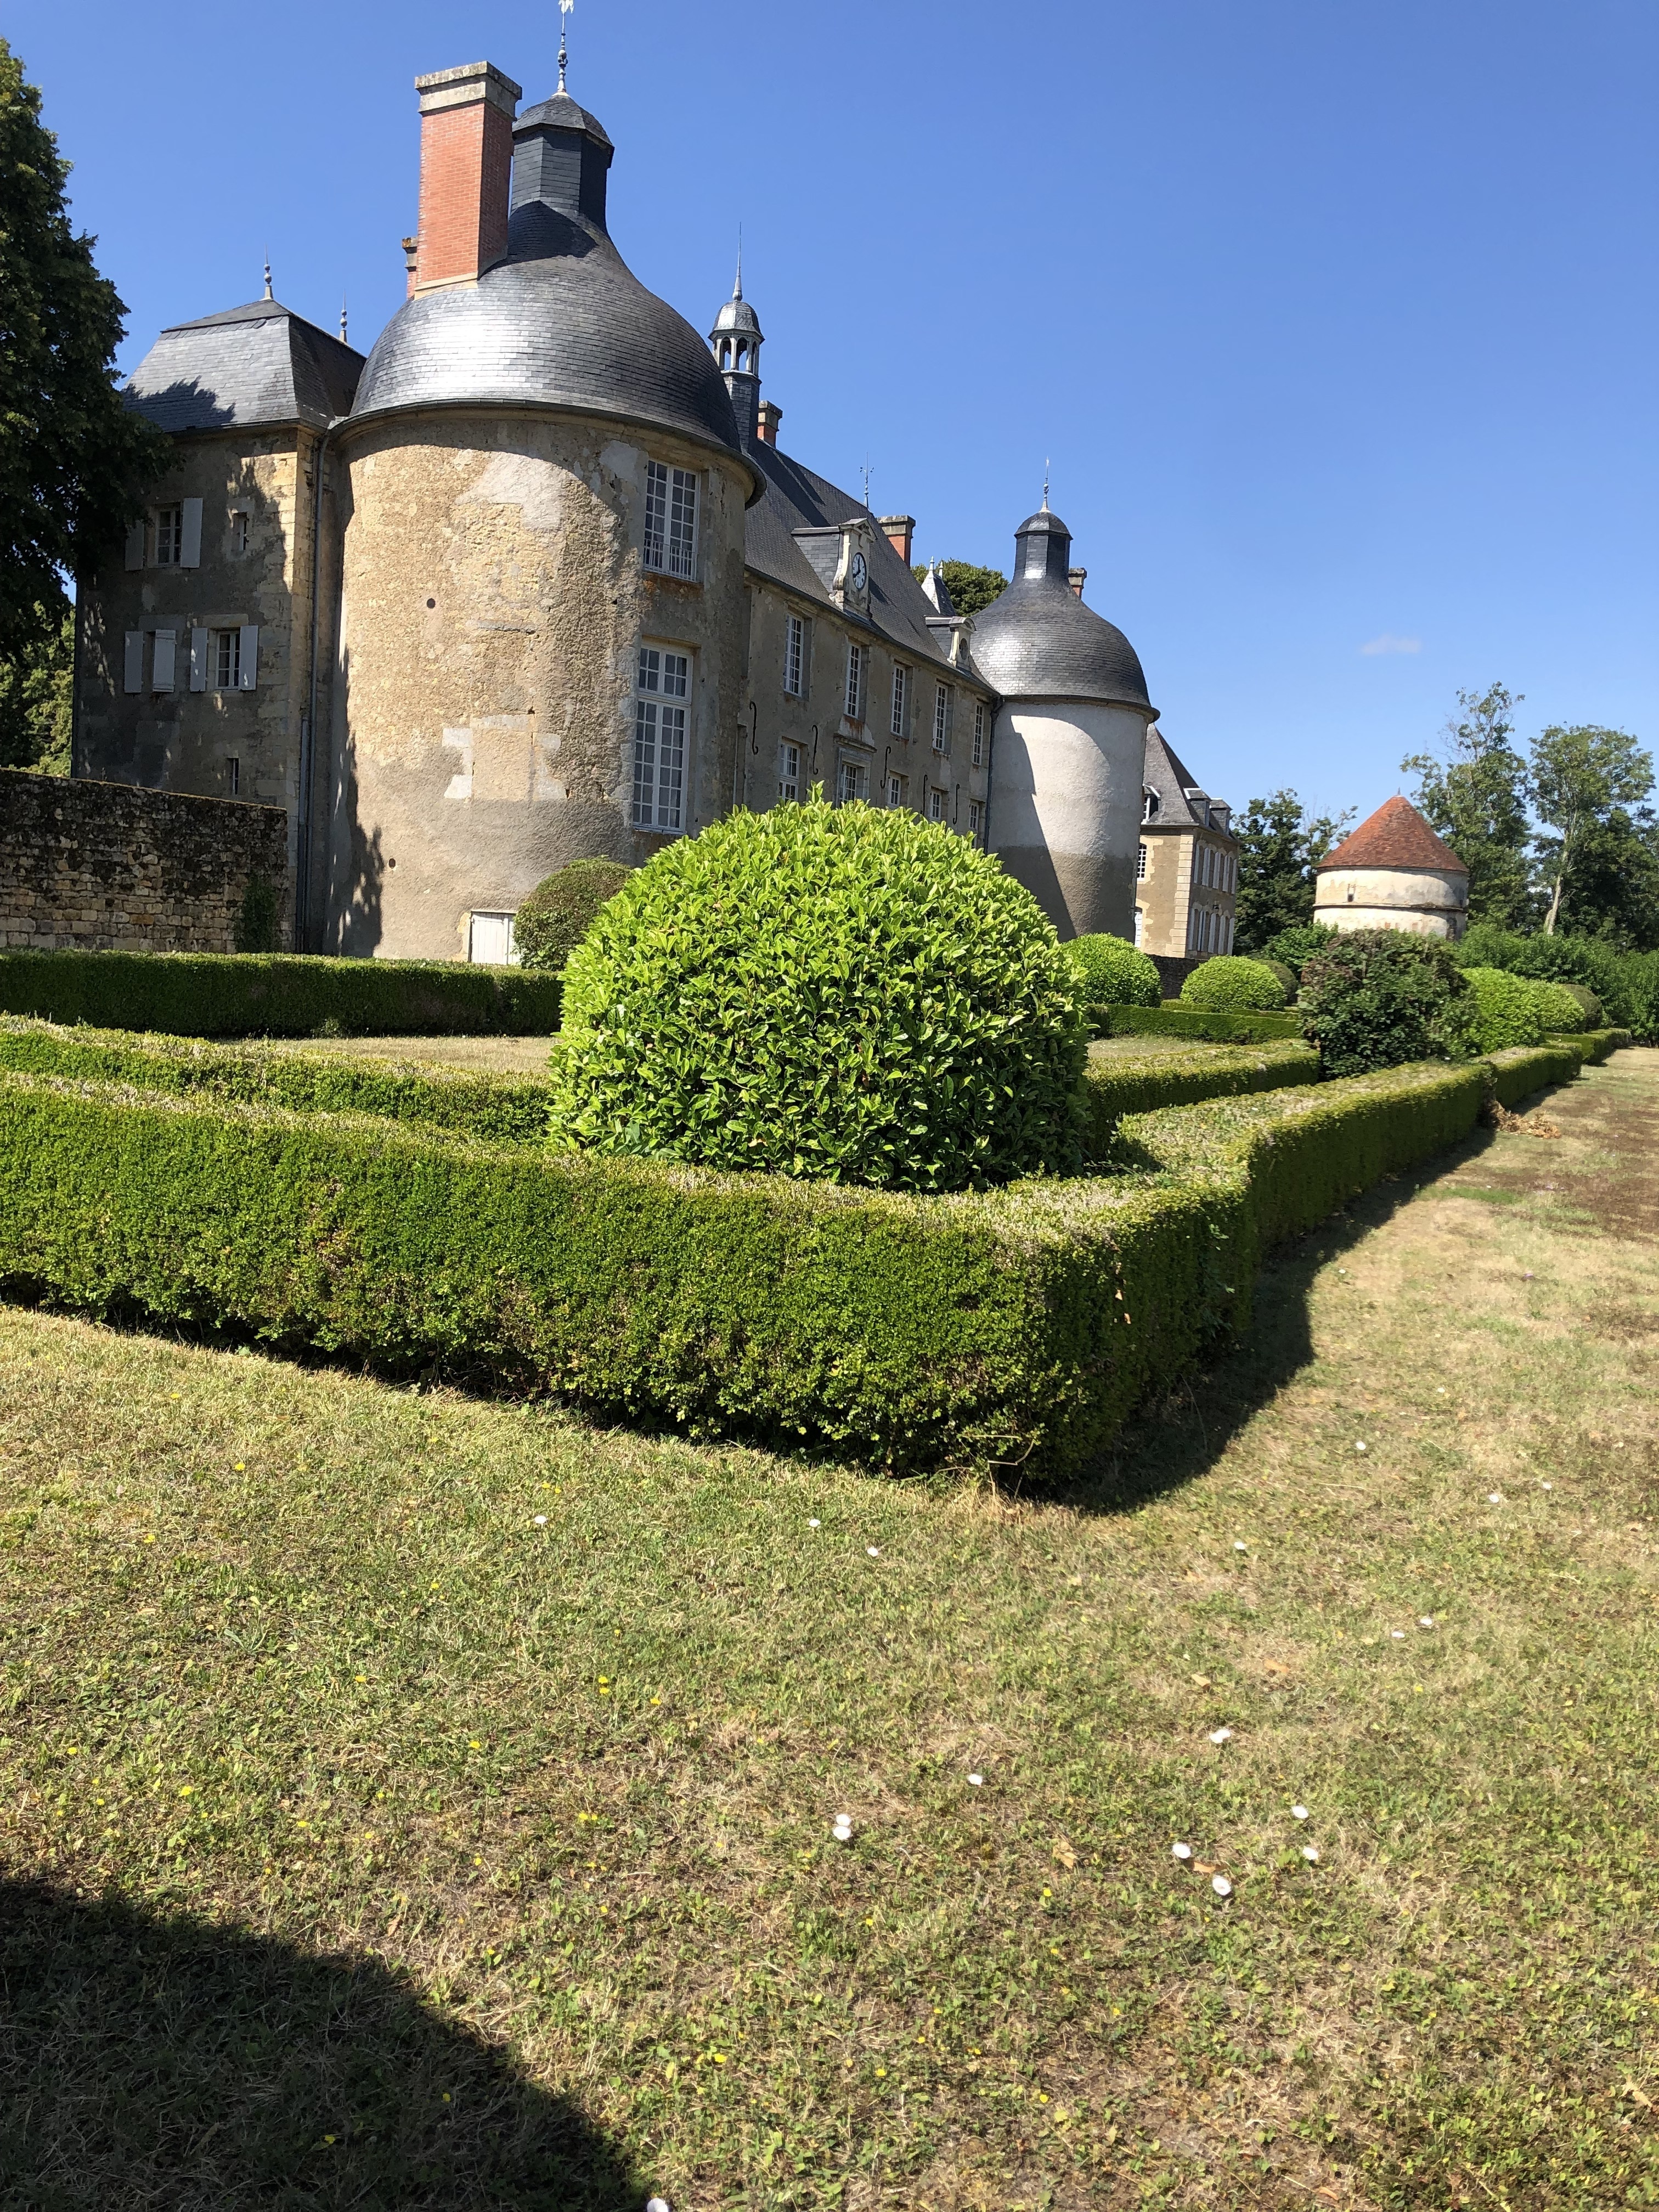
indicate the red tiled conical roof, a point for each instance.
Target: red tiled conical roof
{"x":1396,"y":836}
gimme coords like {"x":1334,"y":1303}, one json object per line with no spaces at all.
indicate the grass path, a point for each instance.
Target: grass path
{"x":411,"y":1801}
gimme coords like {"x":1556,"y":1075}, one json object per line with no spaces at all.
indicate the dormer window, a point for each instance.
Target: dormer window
{"x":1149,"y":803}
{"x":671,"y":521}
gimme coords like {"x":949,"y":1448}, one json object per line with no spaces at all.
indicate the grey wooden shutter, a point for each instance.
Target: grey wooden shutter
{"x":136,"y":549}
{"x":249,"y":675}
{"x":133,"y":670}
{"x":190,"y":552}
{"x":200,"y":640}
{"x":161,"y":667}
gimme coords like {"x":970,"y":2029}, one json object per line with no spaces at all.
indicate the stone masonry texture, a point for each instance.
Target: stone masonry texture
{"x":109,"y":868}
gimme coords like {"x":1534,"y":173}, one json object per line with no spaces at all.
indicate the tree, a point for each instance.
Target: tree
{"x":1280,"y":846}
{"x":72,"y":455}
{"x":36,"y":694}
{"x":1475,"y":798}
{"x":971,"y":589}
{"x":1581,"y":779}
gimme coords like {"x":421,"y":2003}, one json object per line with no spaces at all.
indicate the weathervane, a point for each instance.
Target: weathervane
{"x":1045,"y":484}
{"x":565,"y":8}
{"x":343,"y":319}
{"x":269,"y":294}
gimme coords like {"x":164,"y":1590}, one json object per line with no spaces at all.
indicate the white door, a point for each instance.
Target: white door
{"x":490,"y":941}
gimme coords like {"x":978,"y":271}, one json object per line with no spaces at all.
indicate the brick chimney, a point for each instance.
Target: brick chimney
{"x":899,"y":529}
{"x":766,"y":428}
{"x":1077,"y":577}
{"x":466,"y":172}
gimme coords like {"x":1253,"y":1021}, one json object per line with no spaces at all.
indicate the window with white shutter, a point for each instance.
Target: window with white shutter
{"x":162,"y":662}
{"x":190,"y":541}
{"x":133,"y":662}
{"x":247,"y":673}
{"x":795,"y":655}
{"x":941,"y":717}
{"x":854,"y":701}
{"x":901,"y":682}
{"x":200,"y":644}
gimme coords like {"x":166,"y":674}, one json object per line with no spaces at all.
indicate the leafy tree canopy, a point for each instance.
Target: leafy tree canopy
{"x":1280,"y":844}
{"x":71,"y":454}
{"x":1584,"y":782}
{"x":35,"y":702}
{"x":1475,"y":795}
{"x":971,"y":589}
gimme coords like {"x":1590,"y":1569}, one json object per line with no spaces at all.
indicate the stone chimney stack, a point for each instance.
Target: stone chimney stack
{"x":1077,"y":577}
{"x":766,"y":428}
{"x":466,"y":172}
{"x":899,"y":531}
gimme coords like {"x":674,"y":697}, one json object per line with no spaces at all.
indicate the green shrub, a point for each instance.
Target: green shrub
{"x":559,"y":912}
{"x":1117,"y":1084}
{"x":1507,"y":1010}
{"x":1559,"y":1008}
{"x":843,"y":992}
{"x":1587,"y":1004}
{"x":1019,"y":1325}
{"x":1171,"y":1019}
{"x":1110,"y":972}
{"x":1288,"y":978}
{"x":1379,"y":998}
{"x":1626,"y":983}
{"x":210,"y":994}
{"x":1295,"y":946}
{"x":256,"y":924}
{"x":1231,"y":984}
{"x":1519,"y":1071}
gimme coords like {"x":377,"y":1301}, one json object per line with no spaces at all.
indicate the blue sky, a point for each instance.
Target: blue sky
{"x":1338,"y":320}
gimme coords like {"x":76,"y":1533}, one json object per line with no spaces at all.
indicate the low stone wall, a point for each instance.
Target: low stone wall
{"x":1174,"y":968}
{"x":110,"y":867}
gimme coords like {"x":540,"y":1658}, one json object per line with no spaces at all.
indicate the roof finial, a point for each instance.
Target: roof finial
{"x":565,"y":7}
{"x":1045,"y":484}
{"x":342,"y":318}
{"x":269,"y":294}
{"x":737,"y":288}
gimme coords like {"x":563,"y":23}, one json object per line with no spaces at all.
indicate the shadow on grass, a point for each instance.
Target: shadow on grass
{"x":1169,"y":1443}
{"x":149,"y":2062}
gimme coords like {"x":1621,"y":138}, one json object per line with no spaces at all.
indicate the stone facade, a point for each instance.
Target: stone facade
{"x":111,"y":868}
{"x":1427,"y":901}
{"x":1063,"y":815}
{"x":1185,"y":884}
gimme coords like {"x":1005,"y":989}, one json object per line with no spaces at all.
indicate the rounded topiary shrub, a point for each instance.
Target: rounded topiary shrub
{"x":1287,"y":975}
{"x":1111,"y":972}
{"x":1507,"y":1010}
{"x":1377,"y":997}
{"x":1294,"y":947}
{"x":559,"y":912}
{"x":845,"y":993}
{"x":1558,"y":1007}
{"x":1587,"y":1004}
{"x":1231,"y":984}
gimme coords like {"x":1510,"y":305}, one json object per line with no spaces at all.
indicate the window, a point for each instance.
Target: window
{"x":490,"y":940}
{"x":169,"y":536}
{"x":227,"y":660}
{"x":794,"y":656}
{"x":895,"y":791}
{"x":788,"y":771}
{"x":163,"y":659}
{"x":1149,"y":803}
{"x":936,"y":805}
{"x":941,"y":718}
{"x":854,"y":683}
{"x":851,"y":780}
{"x":234,"y":775}
{"x":975,"y":815}
{"x":1141,"y":864}
{"x":1140,"y":920}
{"x":900,"y":680}
{"x":663,"y":683}
{"x":670,"y":520}
{"x":979,"y":734}
{"x":238,"y":532}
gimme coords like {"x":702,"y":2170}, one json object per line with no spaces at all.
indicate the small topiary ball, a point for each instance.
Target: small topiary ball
{"x":1558,"y":1007}
{"x":1110,"y":972}
{"x":846,"y":993}
{"x":559,"y":912}
{"x":1506,"y":1009}
{"x":1287,"y":975}
{"x":1230,"y":984}
{"x":1589,"y":1005}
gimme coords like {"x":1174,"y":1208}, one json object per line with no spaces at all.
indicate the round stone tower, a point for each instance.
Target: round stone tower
{"x":542,"y":603}
{"x":1070,"y":738}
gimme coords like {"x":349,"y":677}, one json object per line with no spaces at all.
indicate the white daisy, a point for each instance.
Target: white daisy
{"x":976,"y":1781}
{"x":1310,"y":1852}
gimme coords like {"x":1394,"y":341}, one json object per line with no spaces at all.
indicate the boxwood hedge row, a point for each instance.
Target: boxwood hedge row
{"x":210,"y":994}
{"x":1126,"y":1084}
{"x":1171,"y":1020}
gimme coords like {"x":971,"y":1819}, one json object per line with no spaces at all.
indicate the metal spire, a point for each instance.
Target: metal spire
{"x":269,"y":294}
{"x":342,"y":318}
{"x":737,"y":288}
{"x":565,"y":7}
{"x":1045,"y":484}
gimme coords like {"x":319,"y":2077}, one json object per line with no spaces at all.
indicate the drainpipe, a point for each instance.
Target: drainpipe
{"x":308,"y":734}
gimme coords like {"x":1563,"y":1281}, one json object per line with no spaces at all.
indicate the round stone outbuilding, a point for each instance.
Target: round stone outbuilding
{"x":1394,"y":873}
{"x":1070,"y":738}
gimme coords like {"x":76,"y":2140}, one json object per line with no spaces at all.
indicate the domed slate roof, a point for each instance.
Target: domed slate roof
{"x":1038,"y":641}
{"x":562,"y":321}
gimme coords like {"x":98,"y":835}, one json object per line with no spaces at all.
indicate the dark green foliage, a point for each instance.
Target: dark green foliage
{"x":1587,"y":1004}
{"x":1286,"y":975}
{"x":1626,"y":983}
{"x":843,"y":992}
{"x":559,"y":912}
{"x":1174,"y":1020}
{"x":503,"y":1108}
{"x":1507,"y":1012}
{"x":277,"y":994}
{"x":256,"y":924}
{"x":915,"y":1331}
{"x":72,"y":456}
{"x":1280,"y":844}
{"x":1294,"y":948}
{"x":37,"y":700}
{"x":1559,"y":1009}
{"x":1475,"y":798}
{"x":972,"y":589}
{"x":1232,"y":984}
{"x":1599,"y":863}
{"x":1110,"y":972}
{"x":1378,"y":998}
{"x":1117,"y":1086}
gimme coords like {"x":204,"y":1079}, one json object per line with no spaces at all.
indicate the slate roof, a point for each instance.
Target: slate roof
{"x":1396,"y":836}
{"x":794,"y":499}
{"x":256,"y":367}
{"x":1038,"y":641}
{"x":1166,"y":773}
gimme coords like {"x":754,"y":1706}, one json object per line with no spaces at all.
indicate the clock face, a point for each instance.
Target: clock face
{"x":860,"y":573}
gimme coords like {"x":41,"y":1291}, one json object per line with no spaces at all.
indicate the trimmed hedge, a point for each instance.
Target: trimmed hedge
{"x":1233,"y":983}
{"x":214,"y":994}
{"x":1172,"y":1019}
{"x":1110,"y":971}
{"x":1019,"y":1325}
{"x":1118,"y":1084}
{"x":1594,"y":1046}
{"x":1522,"y":1069}
{"x":1507,"y":1012}
{"x":504,"y":1109}
{"x":1626,"y":983}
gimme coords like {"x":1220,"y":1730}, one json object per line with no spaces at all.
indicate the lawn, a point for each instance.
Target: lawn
{"x":412,"y":1801}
